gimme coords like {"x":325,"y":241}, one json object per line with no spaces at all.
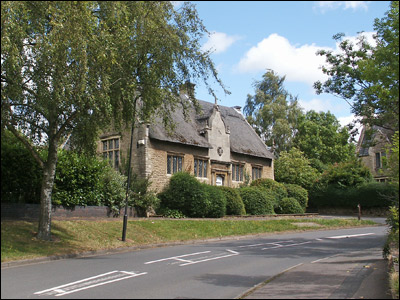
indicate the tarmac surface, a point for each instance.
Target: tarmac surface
{"x":363,"y":275}
{"x":360,"y":275}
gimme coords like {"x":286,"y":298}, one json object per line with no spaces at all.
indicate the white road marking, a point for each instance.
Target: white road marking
{"x":321,"y":259}
{"x":196,"y":260}
{"x":349,"y":236}
{"x":272,"y":243}
{"x":284,"y":246}
{"x":233,"y":253}
{"x":88,"y":283}
{"x":175,"y":257}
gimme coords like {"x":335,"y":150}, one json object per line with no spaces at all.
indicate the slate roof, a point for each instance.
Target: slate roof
{"x":366,"y":143}
{"x":243,"y":139}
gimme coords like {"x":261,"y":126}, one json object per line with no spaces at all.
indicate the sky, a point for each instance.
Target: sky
{"x":249,"y":37}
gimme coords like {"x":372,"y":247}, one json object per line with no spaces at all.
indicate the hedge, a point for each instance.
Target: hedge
{"x":187,"y":195}
{"x":289,"y":205}
{"x":272,"y":187}
{"x":297,"y":192}
{"x":368,"y":195}
{"x":234,"y":203}
{"x":256,"y":201}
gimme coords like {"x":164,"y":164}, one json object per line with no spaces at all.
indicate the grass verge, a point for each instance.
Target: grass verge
{"x":18,"y":239}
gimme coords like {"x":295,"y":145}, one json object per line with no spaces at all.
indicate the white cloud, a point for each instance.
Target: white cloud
{"x":298,"y":63}
{"x":324,"y":6}
{"x":219,"y":42}
{"x":317,"y":105}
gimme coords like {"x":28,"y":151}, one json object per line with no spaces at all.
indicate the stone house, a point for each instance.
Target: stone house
{"x":217,"y":146}
{"x":372,"y":150}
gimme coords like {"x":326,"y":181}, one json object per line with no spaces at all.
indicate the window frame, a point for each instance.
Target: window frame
{"x":200,"y":172}
{"x":174,"y":163}
{"x":110,"y":150}
{"x":237,"y":172}
{"x":256,"y":172}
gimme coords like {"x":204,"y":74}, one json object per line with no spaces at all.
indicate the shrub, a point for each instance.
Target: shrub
{"x":77,"y":180}
{"x":216,"y":202}
{"x":276,"y":189}
{"x":289,"y":206}
{"x":113,"y":189}
{"x":21,"y":176}
{"x":297,"y":192}
{"x":256,"y":201}
{"x":144,"y":200}
{"x":234,"y":203}
{"x":185,"y":194}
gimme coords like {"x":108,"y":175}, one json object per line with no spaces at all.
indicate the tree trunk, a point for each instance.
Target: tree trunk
{"x":49,"y":171}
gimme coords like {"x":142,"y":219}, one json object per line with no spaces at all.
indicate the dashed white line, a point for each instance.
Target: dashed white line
{"x":349,"y":236}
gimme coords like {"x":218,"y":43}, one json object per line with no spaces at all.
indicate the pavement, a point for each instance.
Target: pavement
{"x":362,"y":275}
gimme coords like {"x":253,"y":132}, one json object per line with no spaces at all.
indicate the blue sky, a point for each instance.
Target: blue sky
{"x":248,"y":37}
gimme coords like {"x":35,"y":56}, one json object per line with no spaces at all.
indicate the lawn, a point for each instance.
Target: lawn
{"x":18,"y":239}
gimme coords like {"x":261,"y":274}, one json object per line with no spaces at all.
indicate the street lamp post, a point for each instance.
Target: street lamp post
{"x":128,"y":181}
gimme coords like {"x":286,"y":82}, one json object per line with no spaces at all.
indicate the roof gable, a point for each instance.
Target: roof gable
{"x":243,"y":139}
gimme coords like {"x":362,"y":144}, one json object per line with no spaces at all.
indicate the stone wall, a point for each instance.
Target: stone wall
{"x":15,"y":211}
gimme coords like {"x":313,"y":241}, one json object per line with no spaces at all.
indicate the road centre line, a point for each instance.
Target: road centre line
{"x":234,"y":253}
{"x":273,"y":243}
{"x":284,"y":246}
{"x":175,"y":257}
{"x":349,"y":236}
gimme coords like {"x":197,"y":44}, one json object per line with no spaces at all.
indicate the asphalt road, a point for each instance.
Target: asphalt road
{"x":223,"y":269}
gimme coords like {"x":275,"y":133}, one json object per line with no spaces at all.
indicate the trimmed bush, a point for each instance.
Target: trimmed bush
{"x":289,"y":205}
{"x":273,"y":187}
{"x":216,"y":202}
{"x":297,"y":192}
{"x":256,"y":201}
{"x":234,"y":203}
{"x":185,"y":194}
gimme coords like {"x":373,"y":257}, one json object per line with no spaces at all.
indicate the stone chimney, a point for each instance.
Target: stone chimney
{"x":188,"y":89}
{"x":238,"y":109}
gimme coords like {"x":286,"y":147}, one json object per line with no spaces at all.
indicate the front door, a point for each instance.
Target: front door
{"x":219,"y":180}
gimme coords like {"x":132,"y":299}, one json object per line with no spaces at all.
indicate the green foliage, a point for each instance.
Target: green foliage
{"x":187,"y":195}
{"x":393,"y":219}
{"x":346,"y":174}
{"x":299,"y":193}
{"x":392,"y":162}
{"x":170,"y":213}
{"x":320,"y":137}
{"x":216,"y":201}
{"x":256,"y":201}
{"x":113,"y":189}
{"x":144,"y":200}
{"x":273,"y":112}
{"x":69,"y":67}
{"x":234,"y":203}
{"x":21,"y":176}
{"x":184,"y":193}
{"x":77,"y":180}
{"x":289,"y":205}
{"x":293,"y":167}
{"x":368,"y":195}
{"x":272,"y":187}
{"x":368,"y":76}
